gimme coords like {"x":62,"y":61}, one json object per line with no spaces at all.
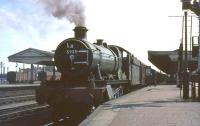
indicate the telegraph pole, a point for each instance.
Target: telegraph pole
{"x":186,"y":55}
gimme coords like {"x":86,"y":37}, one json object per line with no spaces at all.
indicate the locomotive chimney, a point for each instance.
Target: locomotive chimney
{"x":100,"y":42}
{"x":80,"y":32}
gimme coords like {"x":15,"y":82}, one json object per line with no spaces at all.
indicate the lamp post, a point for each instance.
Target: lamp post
{"x":186,"y":72}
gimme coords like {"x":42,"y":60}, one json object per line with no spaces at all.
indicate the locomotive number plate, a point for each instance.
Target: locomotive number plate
{"x":71,"y":52}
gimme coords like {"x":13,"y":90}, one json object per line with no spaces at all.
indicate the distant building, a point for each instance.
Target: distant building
{"x":24,"y":75}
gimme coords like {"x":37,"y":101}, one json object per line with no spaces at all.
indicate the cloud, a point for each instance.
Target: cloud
{"x":33,"y":25}
{"x":25,"y":24}
{"x":34,"y":20}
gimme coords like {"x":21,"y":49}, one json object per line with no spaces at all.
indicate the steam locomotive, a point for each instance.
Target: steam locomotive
{"x":90,"y":75}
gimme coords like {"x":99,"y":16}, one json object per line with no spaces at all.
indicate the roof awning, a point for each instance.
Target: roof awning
{"x":167,"y":61}
{"x":32,"y":56}
{"x":164,"y":60}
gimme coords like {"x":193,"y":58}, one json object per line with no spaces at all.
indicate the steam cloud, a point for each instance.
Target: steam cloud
{"x":73,"y":10}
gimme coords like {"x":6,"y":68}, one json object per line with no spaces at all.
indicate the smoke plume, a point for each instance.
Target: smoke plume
{"x":73,"y":10}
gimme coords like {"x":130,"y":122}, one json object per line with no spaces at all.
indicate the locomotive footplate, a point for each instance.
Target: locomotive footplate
{"x":111,"y":82}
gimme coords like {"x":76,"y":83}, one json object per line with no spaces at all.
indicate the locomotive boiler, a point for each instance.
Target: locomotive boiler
{"x":90,"y":75}
{"x":77,"y":58}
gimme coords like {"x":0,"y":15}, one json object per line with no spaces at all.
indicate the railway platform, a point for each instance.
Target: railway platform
{"x":159,"y":105}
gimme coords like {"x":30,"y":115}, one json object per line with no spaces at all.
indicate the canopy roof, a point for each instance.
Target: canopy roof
{"x":167,"y":61}
{"x":32,"y":56}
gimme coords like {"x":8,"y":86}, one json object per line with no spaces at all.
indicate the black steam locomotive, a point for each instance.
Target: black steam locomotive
{"x":90,"y":75}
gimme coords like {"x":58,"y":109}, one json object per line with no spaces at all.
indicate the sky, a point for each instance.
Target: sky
{"x":137,"y":26}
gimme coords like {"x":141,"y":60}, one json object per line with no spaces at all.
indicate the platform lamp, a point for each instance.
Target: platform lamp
{"x":186,"y":4}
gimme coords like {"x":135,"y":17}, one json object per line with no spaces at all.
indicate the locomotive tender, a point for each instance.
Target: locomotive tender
{"x":90,"y":74}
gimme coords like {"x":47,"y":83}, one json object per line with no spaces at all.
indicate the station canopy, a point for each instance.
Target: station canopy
{"x":167,"y":61}
{"x":32,"y":56}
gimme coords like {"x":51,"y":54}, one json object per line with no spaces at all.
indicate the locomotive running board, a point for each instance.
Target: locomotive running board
{"x":111,"y":82}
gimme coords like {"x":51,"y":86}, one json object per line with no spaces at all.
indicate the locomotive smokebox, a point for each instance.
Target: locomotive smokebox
{"x":80,"y":32}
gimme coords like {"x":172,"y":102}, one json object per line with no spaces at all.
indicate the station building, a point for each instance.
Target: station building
{"x":39,"y":60}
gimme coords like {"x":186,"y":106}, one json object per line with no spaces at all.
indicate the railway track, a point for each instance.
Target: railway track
{"x":17,"y":102}
{"x":14,"y":111}
{"x":33,"y":115}
{"x":10,"y":94}
{"x":28,"y":114}
{"x":16,"y":99}
{"x":13,"y":94}
{"x":17,"y":90}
